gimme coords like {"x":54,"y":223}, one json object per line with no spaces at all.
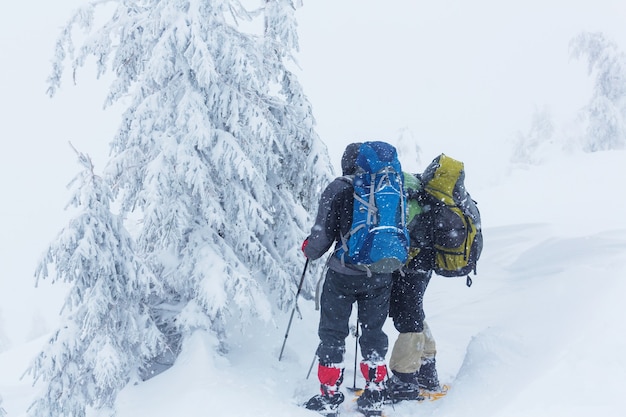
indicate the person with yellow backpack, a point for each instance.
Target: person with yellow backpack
{"x":445,"y":238}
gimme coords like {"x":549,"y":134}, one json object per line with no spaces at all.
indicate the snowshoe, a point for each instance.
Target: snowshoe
{"x":371,"y":401}
{"x":403,"y":391}
{"x":326,"y":405}
{"x":427,"y":376}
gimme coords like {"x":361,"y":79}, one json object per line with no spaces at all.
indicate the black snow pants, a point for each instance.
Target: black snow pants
{"x":407,"y":300}
{"x":372,"y":295}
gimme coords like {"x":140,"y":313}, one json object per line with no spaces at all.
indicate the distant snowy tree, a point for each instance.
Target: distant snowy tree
{"x":39,"y":326}
{"x":4,"y":340}
{"x":106,"y":335}
{"x":527,"y":148}
{"x":409,"y":151}
{"x":3,"y":413}
{"x":606,"y":112}
{"x":216,"y":154}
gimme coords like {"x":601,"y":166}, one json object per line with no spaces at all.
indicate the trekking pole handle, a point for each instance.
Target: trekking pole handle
{"x":306,"y":264}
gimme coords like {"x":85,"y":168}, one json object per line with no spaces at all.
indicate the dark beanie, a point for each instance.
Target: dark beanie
{"x":348,"y":160}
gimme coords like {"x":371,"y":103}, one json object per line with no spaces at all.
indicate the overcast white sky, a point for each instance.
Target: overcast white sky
{"x":462,"y":76}
{"x":450,"y":71}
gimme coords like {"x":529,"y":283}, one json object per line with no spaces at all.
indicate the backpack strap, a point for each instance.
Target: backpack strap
{"x":349,"y":179}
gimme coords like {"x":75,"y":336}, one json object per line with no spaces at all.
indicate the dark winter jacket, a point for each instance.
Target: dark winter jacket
{"x":334,"y":216}
{"x":334,"y":219}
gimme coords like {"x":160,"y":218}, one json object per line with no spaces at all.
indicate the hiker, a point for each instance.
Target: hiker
{"x":446,"y":238}
{"x":412,"y":361}
{"x":346,"y":283}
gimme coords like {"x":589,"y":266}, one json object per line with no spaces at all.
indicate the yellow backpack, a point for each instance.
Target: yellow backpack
{"x":456,"y":231}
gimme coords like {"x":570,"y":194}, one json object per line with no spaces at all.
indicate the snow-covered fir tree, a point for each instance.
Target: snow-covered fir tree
{"x":409,"y":151}
{"x":216,"y":154}
{"x":3,"y":412}
{"x":4,"y":340}
{"x":605,"y":114}
{"x":529,"y":147}
{"x":39,"y":326}
{"x":106,"y":335}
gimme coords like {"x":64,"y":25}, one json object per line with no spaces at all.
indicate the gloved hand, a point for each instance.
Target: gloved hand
{"x":306,"y":242}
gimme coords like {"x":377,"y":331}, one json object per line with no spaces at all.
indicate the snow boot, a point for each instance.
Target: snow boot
{"x":326,"y":405}
{"x":373,"y":398}
{"x":328,"y":401}
{"x":403,"y":387}
{"x":427,"y":376}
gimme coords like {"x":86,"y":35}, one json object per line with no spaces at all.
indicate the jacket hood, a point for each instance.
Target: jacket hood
{"x":348,"y":160}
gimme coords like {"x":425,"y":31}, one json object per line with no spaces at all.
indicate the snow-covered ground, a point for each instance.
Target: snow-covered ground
{"x":540,"y":332}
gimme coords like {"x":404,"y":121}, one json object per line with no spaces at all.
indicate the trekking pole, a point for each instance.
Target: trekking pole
{"x":356,"y":347}
{"x":311,"y":367}
{"x":306,"y":264}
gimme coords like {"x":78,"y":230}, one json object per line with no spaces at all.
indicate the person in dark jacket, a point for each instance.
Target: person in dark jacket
{"x":412,"y":359}
{"x":344,"y":285}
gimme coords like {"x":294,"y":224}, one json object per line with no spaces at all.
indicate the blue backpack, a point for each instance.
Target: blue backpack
{"x":378,"y":239}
